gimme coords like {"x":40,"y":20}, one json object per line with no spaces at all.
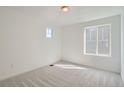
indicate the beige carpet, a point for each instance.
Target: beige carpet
{"x":64,"y":74}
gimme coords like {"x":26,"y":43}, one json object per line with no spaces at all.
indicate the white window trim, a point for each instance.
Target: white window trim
{"x":96,"y":54}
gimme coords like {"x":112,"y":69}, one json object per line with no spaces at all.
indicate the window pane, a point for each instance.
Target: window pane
{"x":103,"y":47}
{"x":87,"y":34}
{"x":91,"y":37}
{"x":104,"y":39}
{"x":91,"y":47}
{"x":48,"y":33}
{"x":91,"y":33}
{"x":104,"y":32}
{"x":94,"y":34}
{"x":107,"y":33}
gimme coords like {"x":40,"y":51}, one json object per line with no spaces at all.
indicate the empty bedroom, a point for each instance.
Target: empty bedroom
{"x":61,"y":46}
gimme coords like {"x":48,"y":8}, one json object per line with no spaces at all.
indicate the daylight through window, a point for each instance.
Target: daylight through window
{"x":97,"y":40}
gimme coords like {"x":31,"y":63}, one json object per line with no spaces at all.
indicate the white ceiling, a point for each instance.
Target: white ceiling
{"x":53,"y":16}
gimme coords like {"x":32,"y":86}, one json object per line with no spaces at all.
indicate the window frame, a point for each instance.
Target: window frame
{"x":97,"y":54}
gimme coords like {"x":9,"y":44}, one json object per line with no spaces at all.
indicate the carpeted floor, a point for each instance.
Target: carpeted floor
{"x":64,"y":74}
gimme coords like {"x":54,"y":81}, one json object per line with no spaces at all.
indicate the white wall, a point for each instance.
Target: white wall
{"x":122,"y":45}
{"x":23,"y":45}
{"x":73,"y":45}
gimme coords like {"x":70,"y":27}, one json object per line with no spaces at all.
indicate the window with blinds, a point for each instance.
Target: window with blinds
{"x":97,"y":40}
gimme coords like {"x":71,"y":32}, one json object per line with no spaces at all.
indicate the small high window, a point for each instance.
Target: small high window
{"x":49,"y":33}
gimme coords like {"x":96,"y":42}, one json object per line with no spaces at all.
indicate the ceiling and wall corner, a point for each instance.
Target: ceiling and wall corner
{"x":52,"y":15}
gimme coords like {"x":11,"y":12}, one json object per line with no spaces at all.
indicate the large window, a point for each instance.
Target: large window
{"x":97,"y":40}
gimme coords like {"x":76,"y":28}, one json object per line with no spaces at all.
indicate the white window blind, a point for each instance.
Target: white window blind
{"x":97,"y":40}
